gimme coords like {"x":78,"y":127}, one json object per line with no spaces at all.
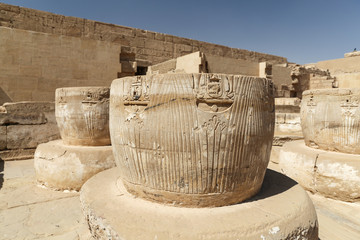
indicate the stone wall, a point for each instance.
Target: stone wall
{"x":151,"y":46}
{"x":346,"y":70}
{"x":24,"y":125}
{"x":34,"y":64}
{"x":41,"y":51}
{"x":199,"y":62}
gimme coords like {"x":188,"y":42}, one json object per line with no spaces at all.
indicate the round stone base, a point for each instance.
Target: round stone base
{"x":281,"y":210}
{"x":64,"y":167}
{"x":332,"y":174}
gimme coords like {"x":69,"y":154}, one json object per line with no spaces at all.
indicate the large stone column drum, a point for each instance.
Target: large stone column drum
{"x":192,"y":139}
{"x":82,"y":114}
{"x":330,"y":119}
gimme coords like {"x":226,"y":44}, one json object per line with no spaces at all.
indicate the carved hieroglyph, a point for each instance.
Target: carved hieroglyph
{"x":82,"y":114}
{"x":330,"y":119}
{"x":192,"y":139}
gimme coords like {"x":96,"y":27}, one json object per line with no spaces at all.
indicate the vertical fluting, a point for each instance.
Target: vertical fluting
{"x":192,"y":134}
{"x":330,"y":119}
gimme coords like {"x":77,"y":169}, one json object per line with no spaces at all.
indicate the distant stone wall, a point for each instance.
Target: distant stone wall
{"x":150,"y":46}
{"x":42,"y":51}
{"x":24,"y":125}
{"x":33,"y":64}
{"x":346,"y":70}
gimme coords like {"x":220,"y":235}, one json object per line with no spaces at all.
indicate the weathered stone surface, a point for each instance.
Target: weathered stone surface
{"x":282,"y":210}
{"x":82,"y":114}
{"x":192,"y":139}
{"x":17,"y":154}
{"x":4,"y":98}
{"x":352,"y":54}
{"x":287,"y":105}
{"x":27,"y":106}
{"x":59,"y":61}
{"x":310,"y":77}
{"x":22,"y":118}
{"x":287,"y":123}
{"x":2,"y":137}
{"x":334,"y":175}
{"x":281,"y":139}
{"x":346,"y":70}
{"x":29,"y":136}
{"x":26,"y":113}
{"x":330,"y":119}
{"x":80,"y":52}
{"x":61,"y":166}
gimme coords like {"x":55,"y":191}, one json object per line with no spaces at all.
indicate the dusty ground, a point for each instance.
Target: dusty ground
{"x":28,"y":211}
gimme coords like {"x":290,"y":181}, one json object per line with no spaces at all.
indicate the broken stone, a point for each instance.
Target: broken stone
{"x":29,"y":136}
{"x":26,"y":113}
{"x":65,"y":167}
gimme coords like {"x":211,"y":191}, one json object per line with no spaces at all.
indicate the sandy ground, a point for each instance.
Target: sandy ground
{"x":28,"y":211}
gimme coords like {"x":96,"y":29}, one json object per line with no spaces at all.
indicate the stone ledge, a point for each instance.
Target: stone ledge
{"x":26,"y":113}
{"x":17,"y":154}
{"x":282,"y":210}
{"x":334,"y":175}
{"x":64,"y":167}
{"x":352,"y":54}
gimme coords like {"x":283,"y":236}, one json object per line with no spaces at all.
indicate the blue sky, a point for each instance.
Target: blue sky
{"x":303,"y":31}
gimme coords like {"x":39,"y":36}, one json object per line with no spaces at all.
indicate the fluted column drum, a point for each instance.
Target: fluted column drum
{"x":330,"y":119}
{"x":192,"y":139}
{"x":82,"y":114}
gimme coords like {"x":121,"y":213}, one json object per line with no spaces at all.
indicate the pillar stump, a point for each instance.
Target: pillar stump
{"x":82,"y":115}
{"x":200,"y":140}
{"x":328,"y":162}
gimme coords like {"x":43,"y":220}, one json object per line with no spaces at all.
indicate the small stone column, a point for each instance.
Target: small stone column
{"x":328,"y":161}
{"x":82,"y":115}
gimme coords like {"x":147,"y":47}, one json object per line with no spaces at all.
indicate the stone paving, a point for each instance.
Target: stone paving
{"x":28,"y":211}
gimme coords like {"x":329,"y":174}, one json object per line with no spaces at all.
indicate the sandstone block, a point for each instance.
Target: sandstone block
{"x":22,"y":118}
{"x":192,"y":139}
{"x":292,"y":118}
{"x":29,"y":136}
{"x":287,"y":105}
{"x":17,"y":154}
{"x":61,"y":166}
{"x":2,"y":137}
{"x":280,"y":117}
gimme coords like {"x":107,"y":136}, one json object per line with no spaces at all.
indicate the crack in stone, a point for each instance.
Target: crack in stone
{"x":30,"y":204}
{"x":53,"y":157}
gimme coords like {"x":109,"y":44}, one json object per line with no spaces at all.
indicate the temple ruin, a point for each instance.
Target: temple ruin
{"x":112,"y":132}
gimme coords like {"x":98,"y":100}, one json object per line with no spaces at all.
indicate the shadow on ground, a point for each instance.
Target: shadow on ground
{"x":274,"y":183}
{"x":2,"y":163}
